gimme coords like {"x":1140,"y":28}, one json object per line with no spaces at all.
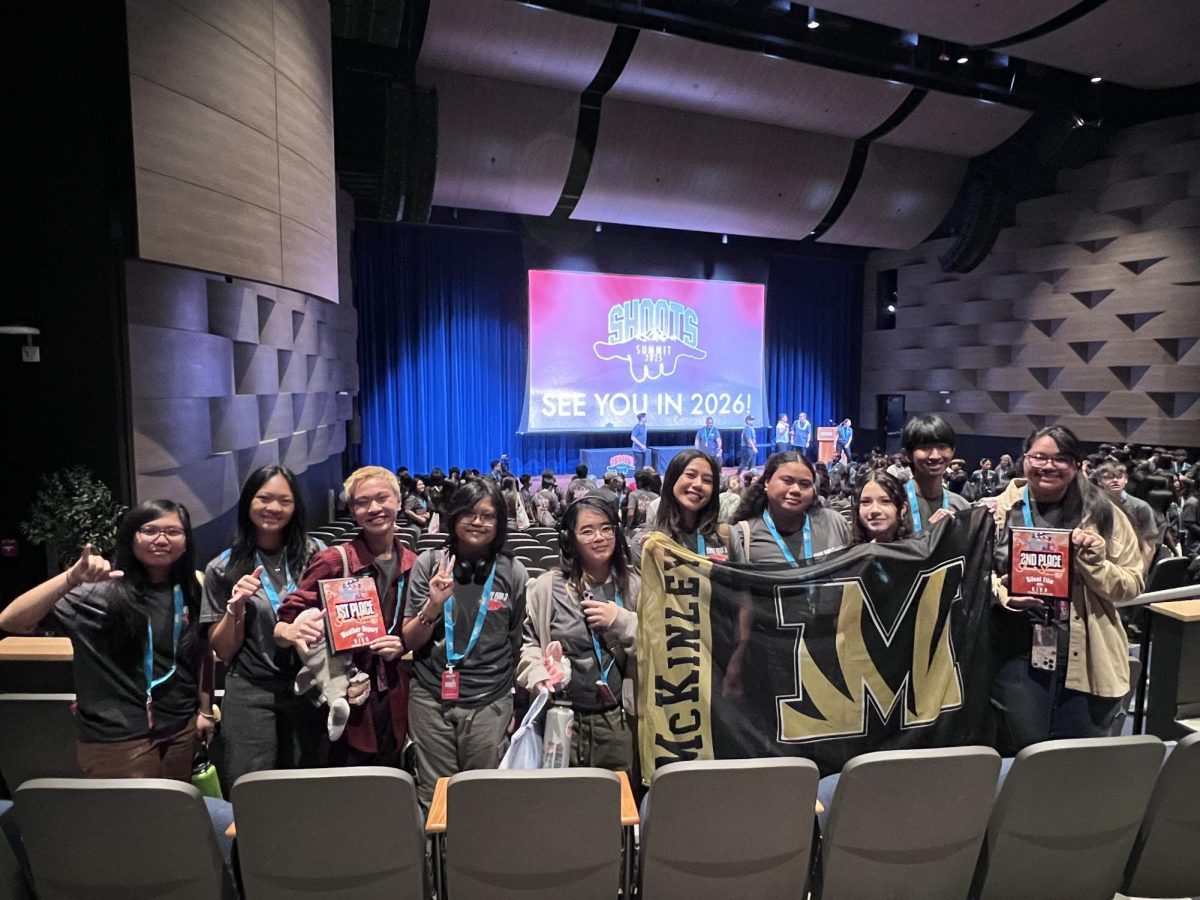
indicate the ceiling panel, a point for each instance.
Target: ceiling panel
{"x":667,"y":70}
{"x":501,"y":145}
{"x":707,"y":173}
{"x":963,"y":126}
{"x":975,"y":22}
{"x":1144,"y":43}
{"x":902,"y":196}
{"x":514,"y":41}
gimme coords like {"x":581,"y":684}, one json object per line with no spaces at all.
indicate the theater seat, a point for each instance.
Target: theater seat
{"x":1066,"y":816}
{"x":1166,"y":855}
{"x":908,"y":823}
{"x":132,"y":838}
{"x":533,"y":835}
{"x":336,"y":834}
{"x":729,"y":828}
{"x":37,"y":737}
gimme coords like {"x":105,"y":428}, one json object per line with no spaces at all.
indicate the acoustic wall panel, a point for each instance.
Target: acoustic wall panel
{"x":220,"y":386}
{"x":232,"y":115}
{"x":1087,"y":311}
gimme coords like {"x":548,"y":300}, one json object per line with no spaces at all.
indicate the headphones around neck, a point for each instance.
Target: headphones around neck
{"x":473,"y":570}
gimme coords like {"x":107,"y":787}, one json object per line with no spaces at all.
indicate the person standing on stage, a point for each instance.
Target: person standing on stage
{"x":638,"y":439}
{"x":749,"y":450}
{"x":783,"y":434}
{"x":708,"y":439}
{"x":845,"y":436}
{"x":802,"y":434}
{"x":928,"y":443}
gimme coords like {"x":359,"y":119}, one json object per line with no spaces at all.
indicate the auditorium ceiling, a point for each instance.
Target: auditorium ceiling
{"x":858,"y":122}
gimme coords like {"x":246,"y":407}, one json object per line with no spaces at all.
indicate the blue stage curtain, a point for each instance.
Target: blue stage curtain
{"x":814,"y":340}
{"x":443,"y":344}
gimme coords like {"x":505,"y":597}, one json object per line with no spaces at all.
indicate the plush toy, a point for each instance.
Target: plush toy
{"x":331,"y":676}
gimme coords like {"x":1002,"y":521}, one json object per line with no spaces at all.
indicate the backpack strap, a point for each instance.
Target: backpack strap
{"x":745,"y":538}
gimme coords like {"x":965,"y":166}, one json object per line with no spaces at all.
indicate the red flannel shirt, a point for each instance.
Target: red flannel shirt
{"x":360,"y":730}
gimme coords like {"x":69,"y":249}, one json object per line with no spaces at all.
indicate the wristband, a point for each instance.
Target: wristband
{"x":210,"y":716}
{"x":424,"y":621}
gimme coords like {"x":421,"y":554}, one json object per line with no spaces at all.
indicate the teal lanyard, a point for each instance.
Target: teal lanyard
{"x":453,"y":657}
{"x":399,"y":595}
{"x":604,"y":670}
{"x":1028,"y":508}
{"x":782,"y":544}
{"x":700,"y":547}
{"x":914,"y":505}
{"x":268,"y":585}
{"x":148,"y":658}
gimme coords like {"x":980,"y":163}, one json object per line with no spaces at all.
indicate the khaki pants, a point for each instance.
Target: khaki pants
{"x":169,"y":757}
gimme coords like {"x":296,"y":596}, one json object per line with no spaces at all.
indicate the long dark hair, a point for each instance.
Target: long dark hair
{"x":127,"y":612}
{"x":245,"y":540}
{"x":463,"y":501}
{"x":754,"y":498}
{"x":895,"y":491}
{"x":670,"y":516}
{"x":571,"y":565}
{"x":1097,"y":507}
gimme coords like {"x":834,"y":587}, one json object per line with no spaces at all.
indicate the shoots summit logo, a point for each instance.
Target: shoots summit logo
{"x":651,"y":335}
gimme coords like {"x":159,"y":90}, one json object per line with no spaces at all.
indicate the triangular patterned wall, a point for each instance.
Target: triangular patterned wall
{"x":1086,"y":312}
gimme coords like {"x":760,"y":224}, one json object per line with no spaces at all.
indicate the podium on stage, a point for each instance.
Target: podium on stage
{"x":826,"y":444}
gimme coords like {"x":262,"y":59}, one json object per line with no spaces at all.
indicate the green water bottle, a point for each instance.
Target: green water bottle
{"x":204,"y":775}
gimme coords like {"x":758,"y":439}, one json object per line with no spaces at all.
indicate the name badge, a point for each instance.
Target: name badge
{"x":449,"y":685}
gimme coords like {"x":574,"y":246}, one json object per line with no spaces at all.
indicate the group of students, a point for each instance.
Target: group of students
{"x":476,"y":625}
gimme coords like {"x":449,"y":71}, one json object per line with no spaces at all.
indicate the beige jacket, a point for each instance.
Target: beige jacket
{"x":622,"y":636}
{"x":1098,"y":662}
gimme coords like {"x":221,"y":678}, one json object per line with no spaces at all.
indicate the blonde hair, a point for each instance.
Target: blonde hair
{"x":366,"y":473}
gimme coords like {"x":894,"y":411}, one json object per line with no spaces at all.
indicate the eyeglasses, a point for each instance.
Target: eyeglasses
{"x":487,"y":518}
{"x":590,"y":534}
{"x":1058,"y":460}
{"x":151,"y":532}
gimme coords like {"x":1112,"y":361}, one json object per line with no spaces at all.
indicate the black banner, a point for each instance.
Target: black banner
{"x":878,"y":647}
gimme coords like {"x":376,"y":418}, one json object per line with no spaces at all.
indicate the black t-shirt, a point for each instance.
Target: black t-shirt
{"x":109,"y":664}
{"x":486,"y":674}
{"x":259,"y":659}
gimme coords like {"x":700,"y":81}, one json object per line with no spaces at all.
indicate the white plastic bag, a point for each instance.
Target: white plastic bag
{"x":525,"y":750}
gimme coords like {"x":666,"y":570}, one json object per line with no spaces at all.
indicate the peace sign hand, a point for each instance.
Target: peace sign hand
{"x":441,"y":585}
{"x":89,"y":569}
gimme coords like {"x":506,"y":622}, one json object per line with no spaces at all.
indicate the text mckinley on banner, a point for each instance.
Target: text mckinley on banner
{"x":878,"y":647}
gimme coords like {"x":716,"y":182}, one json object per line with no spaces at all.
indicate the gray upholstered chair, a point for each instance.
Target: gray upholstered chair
{"x":331,"y":834}
{"x":1066,"y":817}
{"x":712,"y":830}
{"x":109,"y":838}
{"x":908,"y":823}
{"x":533,"y":835}
{"x":1165,"y":861}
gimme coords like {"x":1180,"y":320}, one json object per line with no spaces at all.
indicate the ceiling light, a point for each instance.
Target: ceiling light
{"x":599,"y":228}
{"x":891,"y":307}
{"x":812,"y":18}
{"x":813,"y":23}
{"x":724,"y":239}
{"x":1096,"y":79}
{"x":963,"y":60}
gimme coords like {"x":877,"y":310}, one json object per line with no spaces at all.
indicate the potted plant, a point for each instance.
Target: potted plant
{"x":71,"y":509}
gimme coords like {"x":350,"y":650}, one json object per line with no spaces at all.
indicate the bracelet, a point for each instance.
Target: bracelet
{"x":424,"y":621}
{"x":209,"y":716}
